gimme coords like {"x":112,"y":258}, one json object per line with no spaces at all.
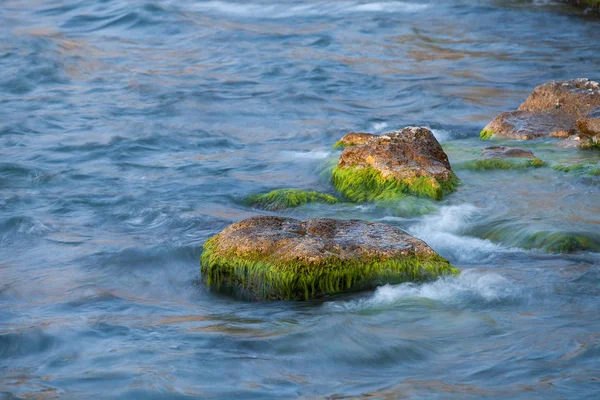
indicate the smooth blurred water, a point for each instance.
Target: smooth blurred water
{"x":131,"y":131}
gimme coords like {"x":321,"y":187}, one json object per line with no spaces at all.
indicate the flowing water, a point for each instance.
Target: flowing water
{"x":131,"y":131}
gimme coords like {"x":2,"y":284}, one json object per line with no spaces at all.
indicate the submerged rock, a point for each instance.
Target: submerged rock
{"x":276,"y":258}
{"x":505,"y":152}
{"x":288,"y":198}
{"x":503,"y":157}
{"x":551,"y":110}
{"x":408,"y":161}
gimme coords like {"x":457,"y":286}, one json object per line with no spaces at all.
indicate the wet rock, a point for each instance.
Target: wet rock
{"x":276,"y":258}
{"x":408,"y":161}
{"x":354,"y":139}
{"x":551,"y":110}
{"x":502,"y":157}
{"x":505,"y":152}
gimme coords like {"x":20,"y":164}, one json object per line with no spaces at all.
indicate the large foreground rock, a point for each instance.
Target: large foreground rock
{"x":276,"y":258}
{"x":554,"y":109}
{"x":406,"y":161}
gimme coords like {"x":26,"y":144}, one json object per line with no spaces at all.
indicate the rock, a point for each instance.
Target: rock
{"x":505,"y":152}
{"x":589,"y":131}
{"x":354,"y":139}
{"x":551,"y":110}
{"x":502,"y":157}
{"x":288,"y":198}
{"x":276,"y":258}
{"x":408,"y":161}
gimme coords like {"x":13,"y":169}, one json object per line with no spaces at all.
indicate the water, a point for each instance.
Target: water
{"x":130,"y":131}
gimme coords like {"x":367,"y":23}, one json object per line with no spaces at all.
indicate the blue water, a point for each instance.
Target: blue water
{"x":131,"y":131}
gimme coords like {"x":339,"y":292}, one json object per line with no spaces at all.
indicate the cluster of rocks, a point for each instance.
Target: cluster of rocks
{"x":568,"y":110}
{"x":276,"y":258}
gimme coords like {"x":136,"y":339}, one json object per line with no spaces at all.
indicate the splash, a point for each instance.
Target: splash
{"x":469,"y":287}
{"x":445,"y":231}
{"x":276,"y":11}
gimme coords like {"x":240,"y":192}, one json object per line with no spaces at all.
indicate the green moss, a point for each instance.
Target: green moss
{"x":486,"y":134}
{"x":287,"y":198}
{"x":589,"y":168}
{"x":256,"y":278}
{"x":521,"y":235}
{"x":500,"y":163}
{"x":559,"y":242}
{"x":591,"y":145}
{"x":367,"y":184}
{"x":340,"y":145}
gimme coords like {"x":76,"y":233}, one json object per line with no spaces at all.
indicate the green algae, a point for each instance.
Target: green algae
{"x":288,"y":198}
{"x":486,"y":134}
{"x":584,"y":168}
{"x":559,"y":242}
{"x":367,"y":184}
{"x":500,"y":163}
{"x":550,"y":240}
{"x":340,"y":144}
{"x":256,"y":277}
{"x":591,"y":145}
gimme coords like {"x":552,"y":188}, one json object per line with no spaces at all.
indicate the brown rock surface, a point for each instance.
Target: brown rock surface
{"x":406,"y":154}
{"x":505,"y":152}
{"x":354,"y":139}
{"x":552,"y":109}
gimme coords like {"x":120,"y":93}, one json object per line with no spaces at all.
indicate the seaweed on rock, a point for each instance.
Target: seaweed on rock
{"x":367,"y":184}
{"x":255,"y":277}
{"x":500,"y":163}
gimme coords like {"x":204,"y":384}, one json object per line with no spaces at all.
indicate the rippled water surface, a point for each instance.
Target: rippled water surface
{"x":131,"y":131}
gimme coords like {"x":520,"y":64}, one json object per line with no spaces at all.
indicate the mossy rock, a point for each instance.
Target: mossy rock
{"x":408,"y":161}
{"x":500,"y":163}
{"x":288,"y":198}
{"x":562,"y":242}
{"x":276,"y":258}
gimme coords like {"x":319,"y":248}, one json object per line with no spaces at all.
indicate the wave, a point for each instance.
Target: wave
{"x":444,"y":231}
{"x":469,"y":287}
{"x":276,"y":11}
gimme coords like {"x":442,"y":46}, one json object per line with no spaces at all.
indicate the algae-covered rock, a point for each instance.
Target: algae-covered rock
{"x":503,"y":157}
{"x":408,"y":161}
{"x":288,"y":198}
{"x":276,"y":258}
{"x":551,"y":110}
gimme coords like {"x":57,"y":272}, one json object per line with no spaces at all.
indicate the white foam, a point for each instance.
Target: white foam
{"x":378,"y":127}
{"x":469,"y":287}
{"x":306,"y":155}
{"x":444,"y":231}
{"x":274,"y":11}
{"x":442,"y":135}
